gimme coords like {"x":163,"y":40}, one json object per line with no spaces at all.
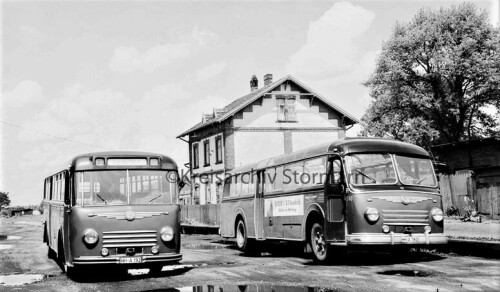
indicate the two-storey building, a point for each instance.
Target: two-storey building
{"x":278,"y":118}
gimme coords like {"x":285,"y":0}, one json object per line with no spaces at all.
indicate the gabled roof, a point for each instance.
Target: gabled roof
{"x":240,"y":103}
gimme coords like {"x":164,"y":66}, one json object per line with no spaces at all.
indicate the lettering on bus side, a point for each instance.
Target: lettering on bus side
{"x":284,"y":206}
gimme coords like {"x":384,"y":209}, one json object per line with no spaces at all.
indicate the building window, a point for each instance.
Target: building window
{"x":196,"y":156}
{"x":286,"y":108}
{"x":218,"y":149}
{"x":206,"y":152}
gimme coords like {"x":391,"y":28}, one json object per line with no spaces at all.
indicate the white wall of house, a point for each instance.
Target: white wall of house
{"x":303,"y":140}
{"x":252,"y":146}
{"x":267,"y":116}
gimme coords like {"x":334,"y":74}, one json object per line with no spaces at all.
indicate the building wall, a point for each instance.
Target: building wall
{"x":213,"y":166}
{"x":207,"y":179}
{"x":254,"y":133}
{"x":263,"y":113}
{"x":259,"y":135}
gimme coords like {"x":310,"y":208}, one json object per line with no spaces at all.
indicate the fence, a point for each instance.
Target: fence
{"x":201,"y":214}
{"x":457,"y":189}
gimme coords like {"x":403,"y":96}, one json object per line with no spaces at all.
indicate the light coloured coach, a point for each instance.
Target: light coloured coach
{"x":114,"y":209}
{"x":350,"y":192}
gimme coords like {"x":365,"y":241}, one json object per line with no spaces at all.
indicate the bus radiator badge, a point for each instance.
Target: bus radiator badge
{"x":405,"y":200}
{"x":129,"y":215}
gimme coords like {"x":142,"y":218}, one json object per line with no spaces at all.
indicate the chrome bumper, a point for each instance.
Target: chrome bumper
{"x":396,"y":239}
{"x":146,"y":259}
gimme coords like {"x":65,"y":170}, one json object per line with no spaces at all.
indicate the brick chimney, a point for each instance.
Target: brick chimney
{"x":268,"y":79}
{"x":254,"y":83}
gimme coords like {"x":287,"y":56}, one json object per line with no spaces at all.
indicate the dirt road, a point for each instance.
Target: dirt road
{"x":212,"y":264}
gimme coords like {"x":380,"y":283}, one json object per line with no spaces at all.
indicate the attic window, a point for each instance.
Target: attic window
{"x":286,"y":108}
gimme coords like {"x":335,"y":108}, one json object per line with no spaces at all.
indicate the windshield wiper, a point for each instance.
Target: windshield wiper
{"x":368,"y":177}
{"x":421,"y":180}
{"x":155,"y":198}
{"x":105,"y":202}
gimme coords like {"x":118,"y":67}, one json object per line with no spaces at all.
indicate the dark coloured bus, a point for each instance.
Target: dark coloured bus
{"x":115,"y":209}
{"x":350,"y":192}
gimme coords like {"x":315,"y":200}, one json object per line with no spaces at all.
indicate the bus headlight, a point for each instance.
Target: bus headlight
{"x":437,"y":214}
{"x":90,"y":236}
{"x":371,"y":214}
{"x":167,"y":234}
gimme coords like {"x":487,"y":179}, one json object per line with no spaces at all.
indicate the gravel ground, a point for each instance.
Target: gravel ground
{"x":488,"y":230}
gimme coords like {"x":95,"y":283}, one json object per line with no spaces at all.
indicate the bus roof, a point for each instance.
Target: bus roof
{"x":80,"y":162}
{"x":341,"y":146}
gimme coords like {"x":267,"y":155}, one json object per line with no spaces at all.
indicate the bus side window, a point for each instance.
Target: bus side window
{"x":334,"y":171}
{"x":252,"y":183}
{"x":337,"y":171}
{"x":315,"y":170}
{"x":278,"y":183}
{"x":245,"y":183}
{"x":269,"y":179}
{"x":227,"y":188}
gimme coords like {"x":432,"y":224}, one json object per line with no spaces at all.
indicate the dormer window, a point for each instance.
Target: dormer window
{"x":286,"y":108}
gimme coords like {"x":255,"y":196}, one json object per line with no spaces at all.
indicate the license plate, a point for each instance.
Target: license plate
{"x":131,"y":260}
{"x":409,"y":239}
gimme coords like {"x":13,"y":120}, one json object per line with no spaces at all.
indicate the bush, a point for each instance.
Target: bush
{"x":452,"y":211}
{"x":4,"y":213}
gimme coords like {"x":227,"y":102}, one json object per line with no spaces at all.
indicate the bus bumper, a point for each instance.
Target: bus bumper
{"x":146,"y":259}
{"x":396,"y":239}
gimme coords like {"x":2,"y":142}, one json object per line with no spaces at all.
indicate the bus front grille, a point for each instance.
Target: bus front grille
{"x":405,"y":217}
{"x":129,"y":238}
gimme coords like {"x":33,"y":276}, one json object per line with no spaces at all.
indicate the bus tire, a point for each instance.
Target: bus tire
{"x":319,"y":246}
{"x":242,"y":236}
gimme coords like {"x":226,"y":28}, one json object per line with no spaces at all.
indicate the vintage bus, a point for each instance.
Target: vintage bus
{"x":350,"y":192}
{"x":113,"y":208}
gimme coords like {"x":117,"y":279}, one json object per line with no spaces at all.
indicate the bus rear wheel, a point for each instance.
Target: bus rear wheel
{"x":242,"y":236}
{"x":319,"y":246}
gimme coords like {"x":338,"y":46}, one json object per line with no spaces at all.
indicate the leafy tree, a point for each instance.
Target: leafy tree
{"x":4,"y":199}
{"x":435,"y":77}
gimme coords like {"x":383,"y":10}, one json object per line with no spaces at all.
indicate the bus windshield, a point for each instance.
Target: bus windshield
{"x":369,"y":169}
{"x":415,"y":171}
{"x":125,"y":187}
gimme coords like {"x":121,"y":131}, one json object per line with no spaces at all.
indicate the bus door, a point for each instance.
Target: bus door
{"x":259,"y":207}
{"x":335,"y":201}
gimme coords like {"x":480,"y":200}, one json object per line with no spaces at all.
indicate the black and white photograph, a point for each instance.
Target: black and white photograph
{"x":250,"y":146}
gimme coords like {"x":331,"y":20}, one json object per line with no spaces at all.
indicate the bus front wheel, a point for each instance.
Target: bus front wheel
{"x":241,"y":236}
{"x":319,"y":246}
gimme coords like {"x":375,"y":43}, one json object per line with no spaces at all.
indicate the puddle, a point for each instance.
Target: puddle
{"x":6,"y":246}
{"x":203,"y":246}
{"x":246,"y":288}
{"x":406,"y":273}
{"x":9,"y":237}
{"x":21,"y":279}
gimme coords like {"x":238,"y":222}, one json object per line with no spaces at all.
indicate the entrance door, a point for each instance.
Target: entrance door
{"x":335,"y":201}
{"x":259,"y":207}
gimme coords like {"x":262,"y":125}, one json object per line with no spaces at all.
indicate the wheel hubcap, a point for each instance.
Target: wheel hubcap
{"x":319,"y":242}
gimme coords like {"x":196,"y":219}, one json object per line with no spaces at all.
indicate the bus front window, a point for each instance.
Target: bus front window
{"x":415,"y":171}
{"x":122,"y":187}
{"x":369,"y":169}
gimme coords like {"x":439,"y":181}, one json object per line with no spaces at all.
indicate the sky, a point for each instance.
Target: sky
{"x":87,"y":76}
